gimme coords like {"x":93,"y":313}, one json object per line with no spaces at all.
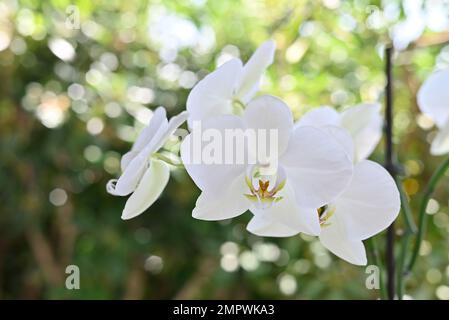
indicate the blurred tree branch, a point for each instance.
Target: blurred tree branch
{"x":135,"y":284}
{"x":44,"y":256}
{"x":192,"y":288}
{"x":430,"y":40}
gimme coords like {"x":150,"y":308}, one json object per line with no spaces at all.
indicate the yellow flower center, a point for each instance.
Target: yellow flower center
{"x":262,"y":195}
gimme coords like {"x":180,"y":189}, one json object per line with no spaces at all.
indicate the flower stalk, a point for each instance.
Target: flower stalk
{"x":410,"y":229}
{"x":422,"y":216}
{"x":389,"y":165}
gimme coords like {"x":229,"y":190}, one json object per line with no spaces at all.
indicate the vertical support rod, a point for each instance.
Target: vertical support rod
{"x":389,"y":165}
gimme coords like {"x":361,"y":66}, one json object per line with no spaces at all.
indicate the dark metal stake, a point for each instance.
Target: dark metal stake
{"x":389,"y":165}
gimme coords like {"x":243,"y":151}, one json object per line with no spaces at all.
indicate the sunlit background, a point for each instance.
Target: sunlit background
{"x":79,"y":79}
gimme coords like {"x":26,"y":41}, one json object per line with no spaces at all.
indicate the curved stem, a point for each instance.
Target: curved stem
{"x":406,"y":210}
{"x":410,"y":228}
{"x":422,"y":219}
{"x":401,"y":265}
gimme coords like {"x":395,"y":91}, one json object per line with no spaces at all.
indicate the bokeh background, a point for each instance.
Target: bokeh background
{"x":78,"y":80}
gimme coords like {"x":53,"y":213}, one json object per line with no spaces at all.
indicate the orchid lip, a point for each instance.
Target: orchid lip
{"x":262,"y":195}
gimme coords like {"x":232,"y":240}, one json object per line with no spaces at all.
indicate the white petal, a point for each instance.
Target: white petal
{"x":149,"y":189}
{"x":213,"y":95}
{"x":440,"y":144}
{"x":127,"y":158}
{"x":157,"y":124}
{"x":110,"y":187}
{"x":317,"y":166}
{"x":366,"y":140}
{"x":364,"y":123}
{"x":209,"y":175}
{"x":253,"y":70}
{"x":130,"y":178}
{"x":145,"y":136}
{"x":228,"y":203}
{"x":265,"y":227}
{"x":270,"y":113}
{"x":134,"y":171}
{"x":172,"y":125}
{"x":343,"y":137}
{"x":370,"y":203}
{"x":319,"y":117}
{"x":433,"y":97}
{"x":334,"y":238}
{"x":286,"y":212}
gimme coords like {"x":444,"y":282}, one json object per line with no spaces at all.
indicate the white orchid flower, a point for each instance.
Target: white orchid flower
{"x":229,"y":88}
{"x":433,"y":100}
{"x":144,"y":174}
{"x":363,"y":122}
{"x":367,"y":206}
{"x":312,"y":170}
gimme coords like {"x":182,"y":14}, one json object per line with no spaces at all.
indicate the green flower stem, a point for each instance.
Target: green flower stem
{"x":401,"y":273}
{"x":422,"y":216}
{"x":410,"y":228}
{"x":406,"y":210}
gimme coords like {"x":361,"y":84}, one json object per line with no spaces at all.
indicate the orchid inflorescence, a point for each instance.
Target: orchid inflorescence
{"x":318,"y":181}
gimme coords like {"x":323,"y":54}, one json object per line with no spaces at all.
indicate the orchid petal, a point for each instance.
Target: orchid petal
{"x":213,"y":95}
{"x":264,"y":227}
{"x":285,"y":213}
{"x":172,"y":125}
{"x":228,"y":203}
{"x":157,"y":124}
{"x":319,"y":117}
{"x":317,"y":166}
{"x":343,"y":137}
{"x":149,"y":189}
{"x":333,"y":237}
{"x":269,"y":113}
{"x":134,"y":162}
{"x":364,"y":123}
{"x":130,"y":178}
{"x":145,"y":136}
{"x":208,"y":174}
{"x":440,"y":144}
{"x":433,"y":97}
{"x":370,"y":203}
{"x":127,"y":158}
{"x":253,"y":70}
{"x":134,"y":171}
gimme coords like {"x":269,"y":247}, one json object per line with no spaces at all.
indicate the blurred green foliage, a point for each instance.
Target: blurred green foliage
{"x":74,"y":94}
